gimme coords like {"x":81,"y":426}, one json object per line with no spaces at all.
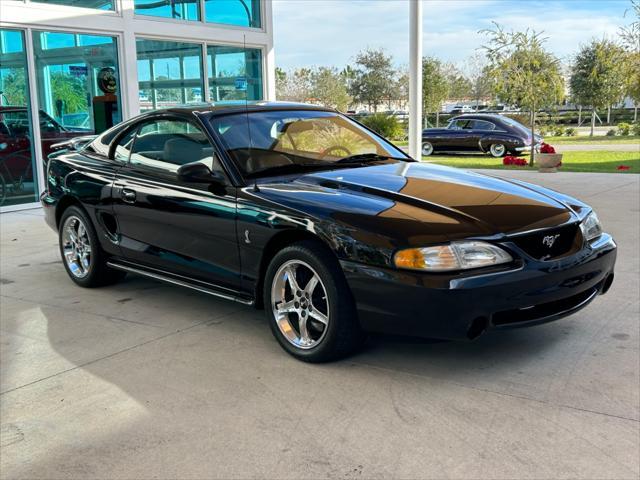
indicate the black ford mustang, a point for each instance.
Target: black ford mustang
{"x":332,"y":229}
{"x":494,"y":134}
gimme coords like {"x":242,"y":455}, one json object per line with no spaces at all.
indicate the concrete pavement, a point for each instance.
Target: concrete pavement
{"x":144,"y":380}
{"x":588,"y":147}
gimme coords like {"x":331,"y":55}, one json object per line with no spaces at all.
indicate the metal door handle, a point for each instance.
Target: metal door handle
{"x":128,"y":196}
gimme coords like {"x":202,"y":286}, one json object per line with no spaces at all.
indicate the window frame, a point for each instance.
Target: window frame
{"x":159,"y":172}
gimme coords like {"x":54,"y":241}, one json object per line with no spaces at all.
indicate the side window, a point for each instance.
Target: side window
{"x":123,"y":148}
{"x":483,"y":125}
{"x":168,"y":144}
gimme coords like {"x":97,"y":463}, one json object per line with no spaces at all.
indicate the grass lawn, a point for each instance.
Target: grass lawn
{"x":598,"y":161}
{"x":600,"y":139}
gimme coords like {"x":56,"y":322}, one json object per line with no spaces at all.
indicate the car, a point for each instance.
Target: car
{"x":329,"y":227}
{"x":15,"y":145}
{"x":496,"y":135}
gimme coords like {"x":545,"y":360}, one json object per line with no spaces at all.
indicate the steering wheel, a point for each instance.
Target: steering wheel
{"x":327,"y":151}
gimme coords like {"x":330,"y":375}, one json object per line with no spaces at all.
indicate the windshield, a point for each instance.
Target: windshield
{"x":268,"y":140}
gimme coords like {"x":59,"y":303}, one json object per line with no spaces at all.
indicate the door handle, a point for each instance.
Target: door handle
{"x":128,"y":196}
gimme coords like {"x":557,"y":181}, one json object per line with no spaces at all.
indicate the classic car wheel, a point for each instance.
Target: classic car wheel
{"x":308,"y":304}
{"x":81,"y":253}
{"x":497,"y":150}
{"x":427,"y":149}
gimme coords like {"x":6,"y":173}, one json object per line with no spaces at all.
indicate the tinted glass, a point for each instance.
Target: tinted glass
{"x":234,"y":73}
{"x":18,"y":179}
{"x":168,"y":144}
{"x":123,"y":148}
{"x":77,"y":84}
{"x":169,"y":73}
{"x":245,"y":13}
{"x":181,"y":10}
{"x":262,"y":140}
{"x":99,"y":4}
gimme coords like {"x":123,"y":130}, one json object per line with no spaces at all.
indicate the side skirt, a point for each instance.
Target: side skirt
{"x":172,"y":279}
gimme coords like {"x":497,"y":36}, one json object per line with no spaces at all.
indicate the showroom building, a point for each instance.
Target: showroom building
{"x":80,"y":66}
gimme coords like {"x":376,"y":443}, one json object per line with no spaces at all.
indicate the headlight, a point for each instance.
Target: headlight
{"x":591,"y":228}
{"x":455,"y":256}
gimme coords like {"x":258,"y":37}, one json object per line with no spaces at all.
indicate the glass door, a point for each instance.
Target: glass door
{"x":18,"y":173}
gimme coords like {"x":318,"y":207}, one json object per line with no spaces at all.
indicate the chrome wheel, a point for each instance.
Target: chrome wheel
{"x":76,"y":246}
{"x":300,"y":304}
{"x":497,"y":150}
{"x":427,"y":149}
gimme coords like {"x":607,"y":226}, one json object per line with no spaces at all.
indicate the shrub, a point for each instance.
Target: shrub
{"x":386,"y":125}
{"x":558,"y":131}
{"x":635,"y":128}
{"x":571,"y":132}
{"x":543,"y":130}
{"x":624,"y":129}
{"x":611,"y":133}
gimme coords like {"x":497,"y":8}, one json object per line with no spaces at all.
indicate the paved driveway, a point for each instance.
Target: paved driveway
{"x":589,"y":147}
{"x":144,"y":380}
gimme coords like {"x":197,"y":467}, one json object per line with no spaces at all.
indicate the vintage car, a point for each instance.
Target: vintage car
{"x":494,"y":134}
{"x":330,"y":228}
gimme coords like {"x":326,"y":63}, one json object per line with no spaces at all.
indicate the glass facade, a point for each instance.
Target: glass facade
{"x":99,"y":4}
{"x":77,"y":85}
{"x":169,"y":73}
{"x":244,"y":13}
{"x":178,"y":9}
{"x":234,"y":73}
{"x":18,"y":173}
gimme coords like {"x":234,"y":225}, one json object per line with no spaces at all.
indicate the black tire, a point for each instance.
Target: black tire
{"x":97,"y":274}
{"x":342,"y":334}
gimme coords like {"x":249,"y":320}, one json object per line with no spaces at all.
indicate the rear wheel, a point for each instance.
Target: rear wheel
{"x":427,"y":149}
{"x":497,"y":150}
{"x":82,"y":256}
{"x":309,"y":305}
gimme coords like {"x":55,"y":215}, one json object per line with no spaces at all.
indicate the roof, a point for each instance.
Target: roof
{"x":239,"y":106}
{"x":487,"y":116}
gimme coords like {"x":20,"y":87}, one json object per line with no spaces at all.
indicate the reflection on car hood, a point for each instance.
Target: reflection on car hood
{"x":404,"y":197}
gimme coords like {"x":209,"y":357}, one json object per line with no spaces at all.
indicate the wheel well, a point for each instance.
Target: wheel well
{"x":64,"y":203}
{"x":276,"y":243}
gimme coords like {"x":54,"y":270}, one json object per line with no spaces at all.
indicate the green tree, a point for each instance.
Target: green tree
{"x":478,"y":74}
{"x":435,"y":86}
{"x":13,"y":87}
{"x":523,"y":72}
{"x":630,"y":36}
{"x":329,"y":88}
{"x":294,"y":86}
{"x":374,"y":78}
{"x":459,"y":85}
{"x":70,"y":91}
{"x":598,"y":76}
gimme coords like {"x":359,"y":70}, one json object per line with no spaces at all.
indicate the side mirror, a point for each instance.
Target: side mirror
{"x":197,"y":172}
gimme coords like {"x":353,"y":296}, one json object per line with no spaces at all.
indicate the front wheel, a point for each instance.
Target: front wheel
{"x":83,"y":258}
{"x":309,"y":305}
{"x":497,"y":150}
{"x":427,"y":149}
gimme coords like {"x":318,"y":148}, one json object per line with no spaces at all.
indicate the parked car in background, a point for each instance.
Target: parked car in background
{"x":496,"y":135}
{"x":332,"y":229}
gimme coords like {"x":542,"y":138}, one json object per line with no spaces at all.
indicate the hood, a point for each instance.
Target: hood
{"x":402,"y":199}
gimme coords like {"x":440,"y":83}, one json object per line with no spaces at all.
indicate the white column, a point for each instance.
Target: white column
{"x":269,"y":61}
{"x":415,"y":78}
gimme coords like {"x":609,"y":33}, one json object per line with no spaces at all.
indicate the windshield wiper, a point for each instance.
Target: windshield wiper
{"x":289,"y":168}
{"x":368,"y":157}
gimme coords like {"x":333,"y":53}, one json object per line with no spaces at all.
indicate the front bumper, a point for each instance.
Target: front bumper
{"x":462,"y":306}
{"x":49,"y":207}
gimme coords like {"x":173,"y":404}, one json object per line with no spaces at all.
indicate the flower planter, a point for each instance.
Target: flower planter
{"x":548,"y":162}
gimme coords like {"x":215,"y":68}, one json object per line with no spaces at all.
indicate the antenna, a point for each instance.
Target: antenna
{"x":245,"y":85}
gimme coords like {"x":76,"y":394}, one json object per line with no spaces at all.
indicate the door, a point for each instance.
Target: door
{"x":458,"y":136}
{"x":181,"y":228}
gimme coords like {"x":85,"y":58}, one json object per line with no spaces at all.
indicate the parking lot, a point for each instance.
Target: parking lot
{"x":145,"y":380}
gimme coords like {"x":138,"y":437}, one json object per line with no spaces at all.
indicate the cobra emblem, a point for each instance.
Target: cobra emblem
{"x":549,"y":240}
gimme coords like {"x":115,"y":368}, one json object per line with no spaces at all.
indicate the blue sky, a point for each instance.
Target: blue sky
{"x":331,"y":32}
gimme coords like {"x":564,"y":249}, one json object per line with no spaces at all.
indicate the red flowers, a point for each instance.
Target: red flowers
{"x":546,"y":148}
{"x":623,"y":167}
{"x":511,"y":160}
